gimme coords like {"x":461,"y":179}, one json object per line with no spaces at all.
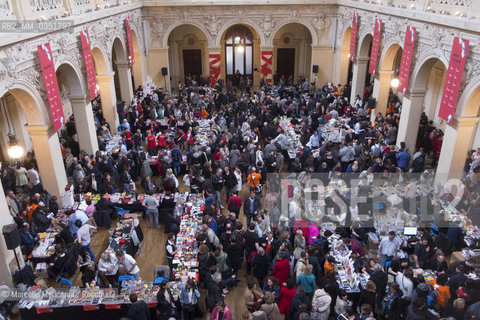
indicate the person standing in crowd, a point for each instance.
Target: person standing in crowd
{"x":189,"y":299}
{"x":388,"y":248}
{"x":128,"y":264}
{"x":138,"y":309}
{"x":84,"y":236}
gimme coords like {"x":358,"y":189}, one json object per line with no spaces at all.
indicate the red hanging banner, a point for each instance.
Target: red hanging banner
{"x":130,"y":43}
{"x":458,"y":57}
{"x":353,"y":39}
{"x":266,"y":69}
{"x":51,"y":85}
{"x":214,"y":63}
{"x":87,"y":57}
{"x":407,"y":56}
{"x":375,"y":45}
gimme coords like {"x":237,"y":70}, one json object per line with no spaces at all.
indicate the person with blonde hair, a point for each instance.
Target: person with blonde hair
{"x":307,"y":280}
{"x":270,"y":307}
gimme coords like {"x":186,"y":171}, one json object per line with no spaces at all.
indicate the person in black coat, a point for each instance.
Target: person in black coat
{"x":298,"y":300}
{"x":165,"y":303}
{"x":138,"y":309}
{"x":40,"y":219}
{"x":368,"y":296}
{"x":380,"y":278}
{"x":260,"y":266}
{"x":457,"y":280}
{"x":205,"y":260}
{"x":214,"y":292}
{"x":393,"y":303}
{"x":235,"y":253}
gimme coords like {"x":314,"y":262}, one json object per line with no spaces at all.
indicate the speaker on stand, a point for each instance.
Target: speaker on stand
{"x":165,"y":74}
{"x":12,"y":239}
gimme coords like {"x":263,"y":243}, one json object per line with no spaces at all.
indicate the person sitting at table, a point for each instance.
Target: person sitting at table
{"x":28,"y":238}
{"x":40,"y":219}
{"x":437,"y":265}
{"x":128,"y":264}
{"x":89,"y":274}
{"x":57,"y":262}
{"x":108,"y":267}
{"x":421,"y":253}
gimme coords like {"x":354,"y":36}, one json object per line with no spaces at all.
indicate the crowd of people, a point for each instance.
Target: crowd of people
{"x":291,"y":274}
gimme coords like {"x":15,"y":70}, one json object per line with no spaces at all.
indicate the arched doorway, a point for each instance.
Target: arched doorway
{"x":292,"y":52}
{"x":188,"y":55}
{"x":361,"y":79}
{"x":426,"y":88}
{"x":345,"y":72}
{"x":105,"y":103}
{"x":138,"y":77}
{"x":240,"y":51}
{"x":80,"y":130}
{"x":122,"y":73}
{"x":389,"y":69}
{"x":34,"y":130}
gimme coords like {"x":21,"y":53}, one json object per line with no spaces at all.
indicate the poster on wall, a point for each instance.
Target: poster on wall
{"x":51,"y":85}
{"x":407,"y":56}
{"x":266,"y":69}
{"x":130,"y":43}
{"x":458,"y":57}
{"x":87,"y":57}
{"x":353,"y":39}
{"x":214,"y":63}
{"x":375,"y":45}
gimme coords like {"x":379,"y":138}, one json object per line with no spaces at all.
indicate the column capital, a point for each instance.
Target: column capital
{"x":213,"y":49}
{"x":463,"y":122}
{"x":122,"y":65}
{"x":266,"y":48}
{"x":41,"y":129}
{"x":417,"y":93}
{"x":362,"y":60}
{"x":78,"y":99}
{"x":385,"y":73}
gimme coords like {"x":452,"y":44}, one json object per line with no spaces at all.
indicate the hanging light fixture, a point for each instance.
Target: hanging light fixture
{"x":395,"y":83}
{"x":15,"y":151}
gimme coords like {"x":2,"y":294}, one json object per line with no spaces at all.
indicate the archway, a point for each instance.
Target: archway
{"x":462,"y":135}
{"x":292,"y":52}
{"x":427,"y":87}
{"x":188,"y":55}
{"x":122,"y":72}
{"x":31,"y":120}
{"x":345,"y":70}
{"x":361,"y":79}
{"x":80,"y":129}
{"x":240,"y":50}
{"x":389,"y":68}
{"x":138,"y":72}
{"x":105,"y":104}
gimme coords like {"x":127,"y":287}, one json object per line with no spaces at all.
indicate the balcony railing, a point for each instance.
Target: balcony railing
{"x":52,"y":9}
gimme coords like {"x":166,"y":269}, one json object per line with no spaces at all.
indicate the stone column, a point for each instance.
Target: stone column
{"x":381,"y":89}
{"x":323,"y":57}
{"x":86,"y":131}
{"x":410,"y":118}
{"x":157,"y":59}
{"x":341,"y":65}
{"x":49,"y":158}
{"x":358,"y":79}
{"x":6,"y":256}
{"x":125,"y":80}
{"x":107,"y":95}
{"x":456,"y":144}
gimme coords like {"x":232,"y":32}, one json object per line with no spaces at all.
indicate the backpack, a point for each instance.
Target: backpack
{"x":431,"y":296}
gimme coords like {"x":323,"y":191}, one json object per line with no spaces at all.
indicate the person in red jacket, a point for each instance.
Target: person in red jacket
{"x":127,"y":138}
{"x":161,"y":143}
{"x":287,"y":293}
{"x":151,"y":143}
{"x":281,"y":270}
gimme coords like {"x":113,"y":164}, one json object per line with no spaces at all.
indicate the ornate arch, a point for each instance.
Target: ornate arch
{"x":31,"y":100}
{"x":243,"y":21}
{"x":464,"y":107}
{"x":122,"y":42}
{"x":417,"y":74}
{"x":180,"y":23}
{"x":77,"y":73}
{"x":310,"y":28}
{"x":361,"y":41}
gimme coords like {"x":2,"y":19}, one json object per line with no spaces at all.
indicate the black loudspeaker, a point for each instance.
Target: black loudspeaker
{"x":11,"y":235}
{"x":315,"y":68}
{"x":164,"y":71}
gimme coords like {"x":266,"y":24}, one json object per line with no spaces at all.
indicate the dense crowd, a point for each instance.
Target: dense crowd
{"x":291,"y":273}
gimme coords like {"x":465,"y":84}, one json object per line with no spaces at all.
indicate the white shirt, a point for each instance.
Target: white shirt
{"x":33,"y":176}
{"x":103,"y":265}
{"x":81,"y":216}
{"x":84,"y":234}
{"x":128,"y":262}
